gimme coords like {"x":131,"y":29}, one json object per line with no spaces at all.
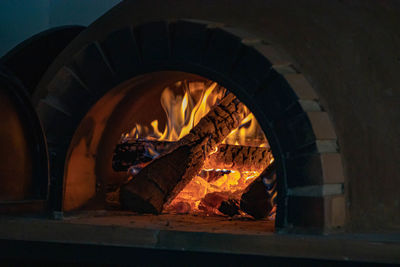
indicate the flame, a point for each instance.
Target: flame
{"x":183,"y":111}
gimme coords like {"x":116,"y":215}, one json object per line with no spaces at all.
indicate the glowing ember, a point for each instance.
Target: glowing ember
{"x":184,"y":108}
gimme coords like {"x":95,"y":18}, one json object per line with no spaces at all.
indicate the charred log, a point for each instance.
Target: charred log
{"x":218,"y":123}
{"x":138,"y":151}
{"x":256,"y":199}
{"x":160,"y":181}
{"x":228,"y":157}
{"x":239,"y":158}
{"x":230,"y":207}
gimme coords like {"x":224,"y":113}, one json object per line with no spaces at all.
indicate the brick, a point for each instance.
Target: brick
{"x":332,"y":168}
{"x":123,"y":53}
{"x":275,"y":96}
{"x":275,"y":57}
{"x":189,"y":41}
{"x":321,"y":125}
{"x":51,"y":118}
{"x":304,"y":170}
{"x":153,"y":39}
{"x":285,"y":68}
{"x":70,"y":92}
{"x":301,"y":131}
{"x":91,"y":68}
{"x":301,"y":86}
{"x":335,"y":212}
{"x":222,"y":50}
{"x":244,"y":35}
{"x":327,"y":146}
{"x":309,"y":105}
{"x":250,"y":69}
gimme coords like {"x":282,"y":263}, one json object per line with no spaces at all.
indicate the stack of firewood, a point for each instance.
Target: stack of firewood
{"x":162,"y":169}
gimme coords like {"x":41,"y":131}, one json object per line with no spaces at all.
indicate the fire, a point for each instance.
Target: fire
{"x":183,"y":111}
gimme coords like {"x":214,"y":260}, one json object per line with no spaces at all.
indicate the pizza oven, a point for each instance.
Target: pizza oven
{"x":179,"y":124}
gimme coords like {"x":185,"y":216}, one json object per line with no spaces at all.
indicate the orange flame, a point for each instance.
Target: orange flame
{"x":183,"y":112}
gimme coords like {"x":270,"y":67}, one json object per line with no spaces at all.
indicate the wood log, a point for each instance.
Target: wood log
{"x":256,"y":199}
{"x":160,"y":181}
{"x":239,"y":158}
{"x":228,"y":157}
{"x":218,"y":123}
{"x":230,"y":207}
{"x":138,"y":151}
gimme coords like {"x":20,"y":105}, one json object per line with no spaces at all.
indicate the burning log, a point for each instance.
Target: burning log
{"x":257,"y":200}
{"x":160,"y":181}
{"x":239,"y":158}
{"x":138,"y":151}
{"x":230,"y":207}
{"x":218,"y":123}
{"x":228,"y":157}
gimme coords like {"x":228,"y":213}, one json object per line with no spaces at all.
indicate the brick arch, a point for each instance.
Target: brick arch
{"x":300,"y":132}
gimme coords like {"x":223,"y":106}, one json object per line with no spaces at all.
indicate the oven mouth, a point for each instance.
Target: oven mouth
{"x":124,"y":133}
{"x":298,"y":130}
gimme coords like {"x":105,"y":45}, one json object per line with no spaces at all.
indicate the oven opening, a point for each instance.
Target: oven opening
{"x":173,"y":146}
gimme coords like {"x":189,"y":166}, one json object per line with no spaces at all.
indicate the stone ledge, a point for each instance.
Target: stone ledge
{"x":343,"y":247}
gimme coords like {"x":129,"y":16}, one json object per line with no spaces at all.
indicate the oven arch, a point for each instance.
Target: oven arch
{"x":301,"y":134}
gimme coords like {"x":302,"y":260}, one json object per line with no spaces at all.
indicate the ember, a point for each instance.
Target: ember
{"x":233,"y":152}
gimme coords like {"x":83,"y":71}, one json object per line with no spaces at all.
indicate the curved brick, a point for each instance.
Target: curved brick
{"x":122,"y":51}
{"x":295,"y":133}
{"x":273,"y":55}
{"x":153,"y":40}
{"x":57,"y":124}
{"x":275,"y":96}
{"x":301,"y":86}
{"x":222,"y":50}
{"x":91,"y":67}
{"x":70,"y":92}
{"x":189,"y":41}
{"x":245,"y":36}
{"x":251,"y":69}
{"x":322,"y":125}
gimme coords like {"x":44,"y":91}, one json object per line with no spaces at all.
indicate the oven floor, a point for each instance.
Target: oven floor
{"x":192,"y":223}
{"x":120,"y":230}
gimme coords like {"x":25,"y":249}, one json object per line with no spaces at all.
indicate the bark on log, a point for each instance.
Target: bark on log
{"x":229,"y":157}
{"x":239,"y":158}
{"x":218,"y":123}
{"x":256,"y":200}
{"x":160,"y":181}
